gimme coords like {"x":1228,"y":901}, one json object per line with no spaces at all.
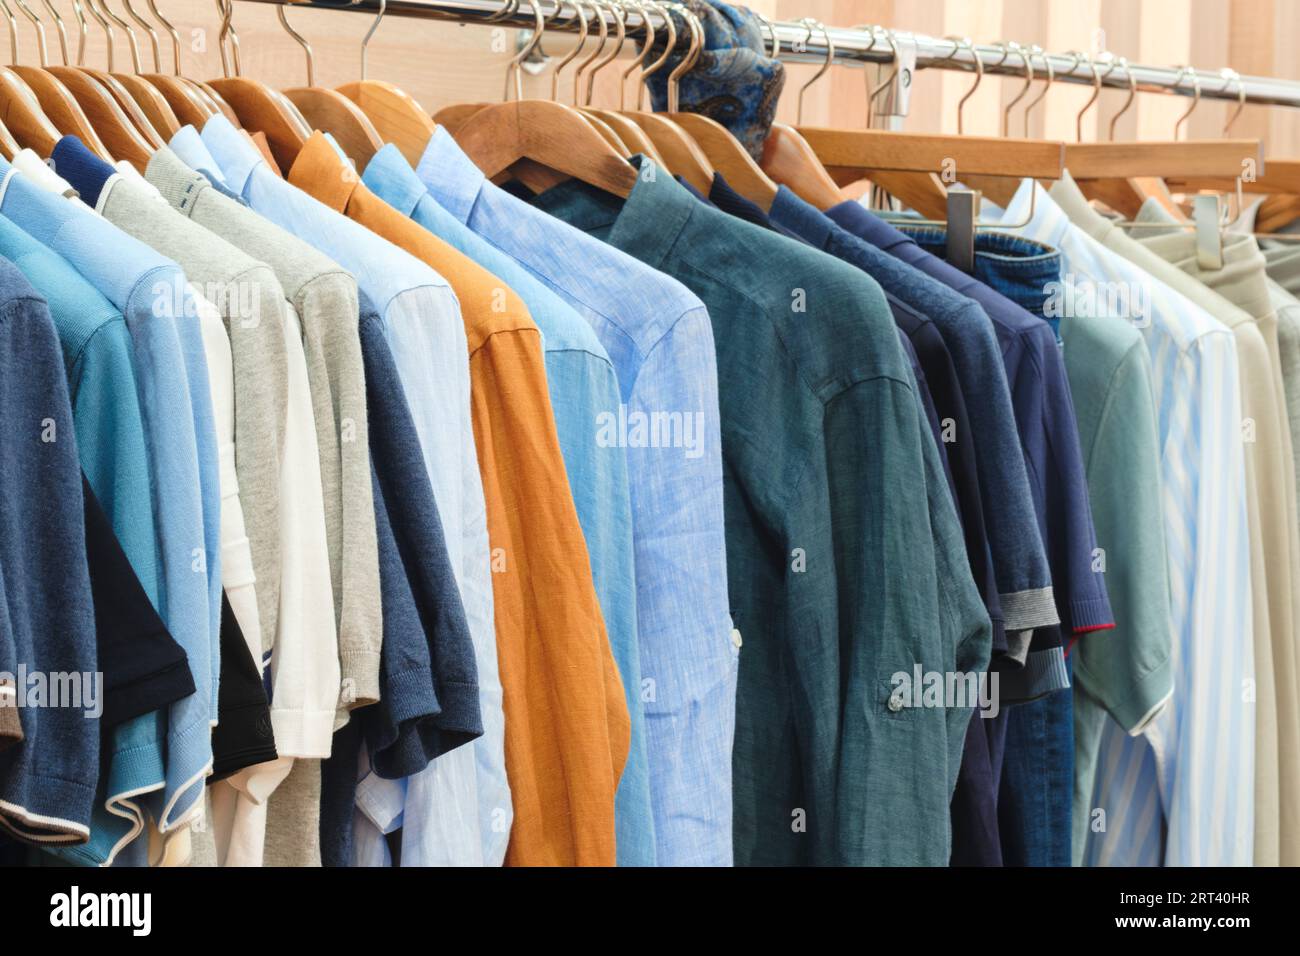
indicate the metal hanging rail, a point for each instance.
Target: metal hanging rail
{"x":800,"y":43}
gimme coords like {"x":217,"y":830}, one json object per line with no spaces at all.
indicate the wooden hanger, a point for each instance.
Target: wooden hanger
{"x":875,"y":151}
{"x":331,"y":111}
{"x":787,"y":157}
{"x":1279,"y":181}
{"x":395,"y":115}
{"x":22,"y":115}
{"x":549,"y":134}
{"x":56,"y":101}
{"x":258,"y":107}
{"x":1126,"y":175}
{"x":453,"y":117}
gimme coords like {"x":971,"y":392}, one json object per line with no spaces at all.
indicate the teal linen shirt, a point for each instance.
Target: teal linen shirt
{"x":845,"y":559}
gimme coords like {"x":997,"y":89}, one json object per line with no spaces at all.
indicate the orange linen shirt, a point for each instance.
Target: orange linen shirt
{"x":567,"y":726}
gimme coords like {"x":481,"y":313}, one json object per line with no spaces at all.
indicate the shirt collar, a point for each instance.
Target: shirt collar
{"x":649,"y":220}
{"x":800,"y":217}
{"x":188,"y":146}
{"x":390,"y":177}
{"x":459,"y":180}
{"x":320,"y":171}
{"x":654,"y":215}
{"x":30,"y":164}
{"x":1066,"y":194}
{"x":866,"y":225}
{"x":235,"y":156}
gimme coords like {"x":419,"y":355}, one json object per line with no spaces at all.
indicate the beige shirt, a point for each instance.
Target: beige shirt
{"x":1242,"y":285}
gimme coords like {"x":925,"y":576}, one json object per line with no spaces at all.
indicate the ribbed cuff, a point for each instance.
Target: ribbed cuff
{"x":1043,"y":673}
{"x":360,"y":680}
{"x":1026,"y":610}
{"x":1091,"y":614}
{"x":242,"y":739}
{"x":303,"y":733}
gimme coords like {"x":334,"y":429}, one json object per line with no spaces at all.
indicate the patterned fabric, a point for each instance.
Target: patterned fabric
{"x":734,"y":82}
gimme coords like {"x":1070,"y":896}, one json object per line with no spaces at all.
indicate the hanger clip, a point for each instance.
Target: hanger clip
{"x":1207,"y":215}
{"x":963,"y":206}
{"x":896,"y":100}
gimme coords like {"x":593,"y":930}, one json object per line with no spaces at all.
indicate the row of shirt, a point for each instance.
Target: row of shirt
{"x":396,"y":517}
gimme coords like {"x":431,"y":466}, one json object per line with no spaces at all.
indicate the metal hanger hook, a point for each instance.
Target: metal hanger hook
{"x":1096,"y":91}
{"x":131,"y":43}
{"x":964,"y":43}
{"x":300,"y":40}
{"x":873,"y":92}
{"x":1132,"y":94}
{"x":809,"y":23}
{"x":171,"y":31}
{"x":1036,"y":50}
{"x":619,"y":14}
{"x":1196,"y":96}
{"x":692,"y":54}
{"x":640,"y":58}
{"x":148,"y":28}
{"x":59,"y":26}
{"x":602,"y":35}
{"x":41,"y":50}
{"x":13,"y":32}
{"x":583,"y":29}
{"x":1017,"y":49}
{"x":365,"y":40}
{"x":1232,"y":76}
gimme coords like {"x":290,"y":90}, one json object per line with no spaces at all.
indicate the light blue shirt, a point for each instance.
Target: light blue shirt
{"x":582,"y":384}
{"x":658,"y":335}
{"x":144,"y":286}
{"x":1181,"y":791}
{"x":458,"y":810}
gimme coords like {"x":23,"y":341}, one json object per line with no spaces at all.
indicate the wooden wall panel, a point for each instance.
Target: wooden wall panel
{"x":442,"y":63}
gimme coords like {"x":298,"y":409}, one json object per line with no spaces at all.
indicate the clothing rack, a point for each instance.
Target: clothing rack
{"x":806,"y":42}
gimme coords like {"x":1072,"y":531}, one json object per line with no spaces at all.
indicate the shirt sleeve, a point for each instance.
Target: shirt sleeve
{"x":304,"y":662}
{"x":46,"y":792}
{"x":1129,"y":669}
{"x":330,"y":312}
{"x":557,"y":666}
{"x":892,"y":565}
{"x":144,"y":668}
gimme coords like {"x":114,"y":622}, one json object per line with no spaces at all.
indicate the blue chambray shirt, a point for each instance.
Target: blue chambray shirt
{"x":143,"y":286}
{"x":458,"y":810}
{"x":659,"y":337}
{"x":582,"y":383}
